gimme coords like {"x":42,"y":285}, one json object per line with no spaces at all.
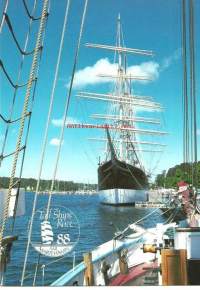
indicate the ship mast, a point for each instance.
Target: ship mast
{"x":120,"y":86}
{"x":125,"y":109}
{"x":123,"y":103}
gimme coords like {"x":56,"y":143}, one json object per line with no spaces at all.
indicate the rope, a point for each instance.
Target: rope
{"x":24,"y":112}
{"x":12,"y":153}
{"x":193,"y":95}
{"x":134,"y":177}
{"x":189,"y":102}
{"x":45,"y":140}
{"x":36,"y":270}
{"x":67,"y":105}
{"x":7,"y":121}
{"x":15,"y":86}
{"x":185,"y":86}
{"x":28,"y":13}
{"x":24,"y":152}
{"x":29,"y":114}
{"x":3,"y":16}
{"x":121,"y":234}
{"x":66,"y":109}
{"x":15,"y":38}
{"x":172,"y":216}
{"x":18,"y":78}
{"x":27,"y":132}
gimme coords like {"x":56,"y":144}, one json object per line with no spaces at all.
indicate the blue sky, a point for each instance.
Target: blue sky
{"x":147,"y":24}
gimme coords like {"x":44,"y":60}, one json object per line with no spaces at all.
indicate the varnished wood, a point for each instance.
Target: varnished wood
{"x":123,"y":265}
{"x":174,"y":267}
{"x":88,"y":275}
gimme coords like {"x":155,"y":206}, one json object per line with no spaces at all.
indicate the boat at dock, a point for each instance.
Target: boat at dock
{"x":122,"y":178}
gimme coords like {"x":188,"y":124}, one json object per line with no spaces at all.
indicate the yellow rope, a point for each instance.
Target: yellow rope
{"x":24,"y":114}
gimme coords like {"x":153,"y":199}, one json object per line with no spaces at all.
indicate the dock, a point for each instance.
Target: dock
{"x":150,"y":205}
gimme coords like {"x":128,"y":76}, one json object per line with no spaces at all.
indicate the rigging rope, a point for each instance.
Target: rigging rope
{"x":66,"y":109}
{"x":18,"y":78}
{"x":67,"y":104}
{"x":24,"y":112}
{"x":29,"y":114}
{"x":15,"y":38}
{"x":143,"y":218}
{"x":15,"y":86}
{"x":24,"y":152}
{"x":193,"y":95}
{"x":28,"y":13}
{"x":28,"y":129}
{"x":185,"y":87}
{"x":12,"y":121}
{"x":45,"y":139}
{"x":3,"y":16}
{"x":189,"y":94}
{"x":12,"y":153}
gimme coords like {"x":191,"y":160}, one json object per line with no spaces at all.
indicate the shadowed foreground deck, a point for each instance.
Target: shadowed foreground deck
{"x":143,"y":274}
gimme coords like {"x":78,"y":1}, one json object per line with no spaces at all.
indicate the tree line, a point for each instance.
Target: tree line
{"x":181,"y":172}
{"x":59,"y":185}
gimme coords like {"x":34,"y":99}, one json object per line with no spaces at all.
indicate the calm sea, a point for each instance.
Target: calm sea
{"x":95,"y":228}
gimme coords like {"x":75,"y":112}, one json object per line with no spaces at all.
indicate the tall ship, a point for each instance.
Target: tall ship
{"x":122,"y":179}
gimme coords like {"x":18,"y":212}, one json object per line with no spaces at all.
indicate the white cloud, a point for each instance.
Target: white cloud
{"x":89,"y":74}
{"x":55,"y":142}
{"x":150,"y":69}
{"x":59,"y":122}
{"x":167,"y":61}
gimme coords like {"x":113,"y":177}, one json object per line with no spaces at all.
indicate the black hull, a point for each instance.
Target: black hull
{"x":128,"y":204}
{"x":118,"y":174}
{"x":178,"y":215}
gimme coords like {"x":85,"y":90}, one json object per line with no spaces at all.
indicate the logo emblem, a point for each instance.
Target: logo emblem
{"x":56,"y":233}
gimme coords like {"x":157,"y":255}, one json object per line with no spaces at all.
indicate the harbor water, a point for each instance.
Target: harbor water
{"x":98,"y":223}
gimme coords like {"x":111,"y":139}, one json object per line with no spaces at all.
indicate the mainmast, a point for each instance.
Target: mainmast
{"x":120,"y":87}
{"x":122,"y":119}
{"x":125,"y":108}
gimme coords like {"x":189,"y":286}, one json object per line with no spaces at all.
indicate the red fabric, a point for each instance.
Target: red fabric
{"x":181,"y":183}
{"x":134,"y":273}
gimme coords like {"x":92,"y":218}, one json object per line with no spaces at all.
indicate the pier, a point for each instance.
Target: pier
{"x":149,"y":204}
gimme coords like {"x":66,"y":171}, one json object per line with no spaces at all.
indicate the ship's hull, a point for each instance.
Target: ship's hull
{"x":120,"y":183}
{"x":122,"y":197}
